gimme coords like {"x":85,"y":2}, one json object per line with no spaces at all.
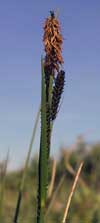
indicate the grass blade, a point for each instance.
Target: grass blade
{"x":25,"y":169}
{"x":71,"y":193}
{"x":2,"y":186}
{"x":55,"y":194}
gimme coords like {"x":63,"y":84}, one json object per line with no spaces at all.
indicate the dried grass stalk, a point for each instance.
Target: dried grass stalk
{"x":72,"y":193}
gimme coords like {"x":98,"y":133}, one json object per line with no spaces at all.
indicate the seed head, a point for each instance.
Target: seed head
{"x":57,"y":93}
{"x":52,"y":44}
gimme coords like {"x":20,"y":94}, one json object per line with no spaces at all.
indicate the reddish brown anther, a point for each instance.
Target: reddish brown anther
{"x":52,"y":44}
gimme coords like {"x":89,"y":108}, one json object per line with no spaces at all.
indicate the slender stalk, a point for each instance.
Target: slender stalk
{"x":55,"y":195}
{"x":45,"y":142}
{"x":23,"y":179}
{"x":73,"y":173}
{"x":71,"y":193}
{"x":43,"y":155}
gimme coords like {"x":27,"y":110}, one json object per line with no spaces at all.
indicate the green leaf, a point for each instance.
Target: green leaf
{"x":23,"y":179}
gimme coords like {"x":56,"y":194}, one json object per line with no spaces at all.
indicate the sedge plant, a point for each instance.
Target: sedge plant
{"x":52,"y":85}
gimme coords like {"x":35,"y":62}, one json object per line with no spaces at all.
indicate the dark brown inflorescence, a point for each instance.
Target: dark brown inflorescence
{"x":53,"y":45}
{"x":48,"y":126}
{"x":56,"y":94}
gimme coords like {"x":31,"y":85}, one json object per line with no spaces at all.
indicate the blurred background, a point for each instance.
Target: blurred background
{"x":76,"y":134}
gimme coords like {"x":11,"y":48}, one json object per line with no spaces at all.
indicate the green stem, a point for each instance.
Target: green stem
{"x":43,"y":155}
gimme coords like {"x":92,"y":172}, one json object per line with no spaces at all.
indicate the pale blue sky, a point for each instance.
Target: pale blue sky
{"x":21,"y":47}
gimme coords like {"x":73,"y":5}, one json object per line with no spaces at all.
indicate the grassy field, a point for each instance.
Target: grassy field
{"x":85,"y":206}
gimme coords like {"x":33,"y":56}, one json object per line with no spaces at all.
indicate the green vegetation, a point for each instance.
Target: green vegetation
{"x":85,"y":206}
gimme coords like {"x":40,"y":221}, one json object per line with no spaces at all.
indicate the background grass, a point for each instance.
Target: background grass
{"x":85,"y":206}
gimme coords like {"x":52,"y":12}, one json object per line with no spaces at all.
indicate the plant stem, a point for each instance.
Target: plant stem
{"x":43,"y":155}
